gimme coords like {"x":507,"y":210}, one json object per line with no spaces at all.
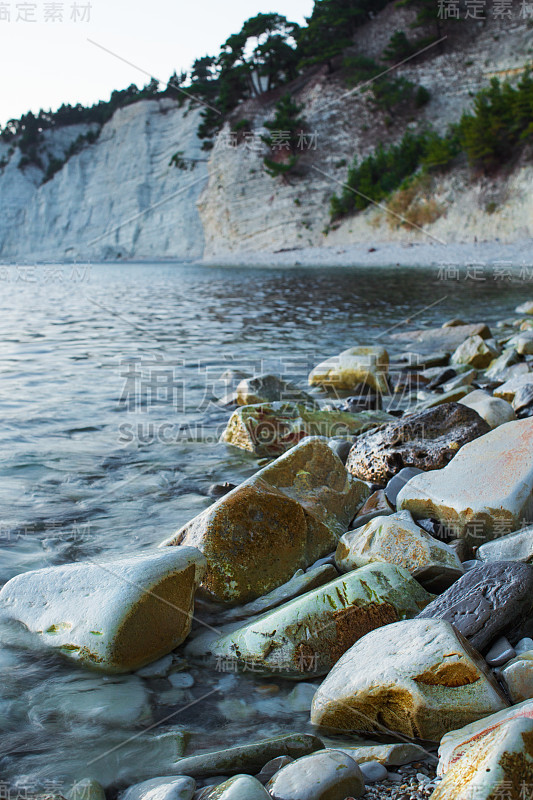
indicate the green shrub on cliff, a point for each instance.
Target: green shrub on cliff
{"x":285,"y":137}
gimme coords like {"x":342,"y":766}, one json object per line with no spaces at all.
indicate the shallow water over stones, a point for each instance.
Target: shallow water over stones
{"x":110,"y":445}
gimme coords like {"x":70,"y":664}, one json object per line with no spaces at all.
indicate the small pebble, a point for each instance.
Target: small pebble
{"x":500,"y":652}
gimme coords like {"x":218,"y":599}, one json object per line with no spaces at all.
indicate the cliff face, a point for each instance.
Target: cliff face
{"x":121,"y":198}
{"x":117,"y":198}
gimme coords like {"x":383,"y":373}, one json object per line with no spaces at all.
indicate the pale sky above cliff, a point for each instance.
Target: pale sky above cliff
{"x":45,"y":63}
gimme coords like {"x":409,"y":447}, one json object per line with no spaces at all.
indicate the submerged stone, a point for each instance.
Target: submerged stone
{"x":114,"y":616}
{"x":283,"y":518}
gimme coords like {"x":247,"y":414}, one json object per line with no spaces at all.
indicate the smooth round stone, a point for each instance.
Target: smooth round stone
{"x":373,"y":771}
{"x":500,"y":652}
{"x":165,"y":788}
{"x":301,"y":697}
{"x":524,"y":645}
{"x":181,"y":680}
{"x":325,"y":775}
{"x":272,"y":767}
{"x":396,"y":484}
{"x":240,"y":787}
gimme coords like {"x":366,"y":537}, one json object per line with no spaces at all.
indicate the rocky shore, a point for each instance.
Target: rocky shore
{"x":380,"y":558}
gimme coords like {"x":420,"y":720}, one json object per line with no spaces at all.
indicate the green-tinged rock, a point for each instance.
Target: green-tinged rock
{"x":493,"y":410}
{"x":283,"y":518}
{"x":240,"y":787}
{"x":114,"y":616}
{"x":326,"y":775}
{"x":476,"y":352}
{"x":269,"y":389}
{"x":309,"y":634}
{"x":270,"y":429}
{"x":87,"y":789}
{"x":419,"y":678}
{"x":390,"y":755}
{"x":484,"y":491}
{"x":517,"y":546}
{"x":367,"y":365}
{"x":395,"y":539}
{"x":248,"y":758}
{"x":489,"y":759}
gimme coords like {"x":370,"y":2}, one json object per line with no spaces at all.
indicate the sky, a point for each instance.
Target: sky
{"x":46,"y":58}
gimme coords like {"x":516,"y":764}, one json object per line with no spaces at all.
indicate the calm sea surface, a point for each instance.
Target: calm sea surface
{"x":108,"y":443}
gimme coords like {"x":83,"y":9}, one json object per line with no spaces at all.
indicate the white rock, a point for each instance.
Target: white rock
{"x":352,"y":367}
{"x":165,"y":788}
{"x":494,"y":410}
{"x":325,"y":775}
{"x":417,"y":677}
{"x":508,"y":389}
{"x":301,"y":697}
{"x":395,"y":539}
{"x":487,"y":756}
{"x":517,"y":677}
{"x":488,"y":484}
{"x":240,"y":787}
{"x":115,"y":616}
{"x":525,"y":308}
{"x":516,"y":546}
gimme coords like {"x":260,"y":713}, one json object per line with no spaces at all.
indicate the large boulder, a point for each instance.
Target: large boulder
{"x":489,"y":759}
{"x":487,"y":486}
{"x":352,"y":367}
{"x":395,"y":539}
{"x":493,"y":410}
{"x":272,"y":429}
{"x":491,"y":600}
{"x":419,"y":678}
{"x":283,"y":518}
{"x":427,"y":440}
{"x":114,"y":616}
{"x":309,"y":634}
{"x":326,"y":775}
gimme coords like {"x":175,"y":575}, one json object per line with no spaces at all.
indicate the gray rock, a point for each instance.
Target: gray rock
{"x":524,"y":645}
{"x":396,"y":484}
{"x":523,"y":398}
{"x":442,"y":339}
{"x":427,"y":440}
{"x":240,"y":787}
{"x":166,"y":788}
{"x":516,"y":546}
{"x":500,"y":652}
{"x":327,"y":775}
{"x":373,"y":771}
{"x":248,"y":758}
{"x":271,"y":767}
{"x":341,"y":447}
{"x":492,"y":600}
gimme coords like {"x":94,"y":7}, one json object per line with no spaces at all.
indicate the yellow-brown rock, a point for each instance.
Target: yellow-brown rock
{"x":283,"y":518}
{"x":357,"y":365}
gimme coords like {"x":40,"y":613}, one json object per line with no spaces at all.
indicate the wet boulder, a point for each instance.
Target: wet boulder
{"x":114,"y":616}
{"x":283,"y":518}
{"x":427,"y":440}
{"x":309,"y":634}
{"x":270,"y":429}
{"x":418,"y":677}
{"x":486,"y":488}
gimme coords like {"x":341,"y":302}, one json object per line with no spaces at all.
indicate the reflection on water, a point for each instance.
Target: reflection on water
{"x":109,"y":443}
